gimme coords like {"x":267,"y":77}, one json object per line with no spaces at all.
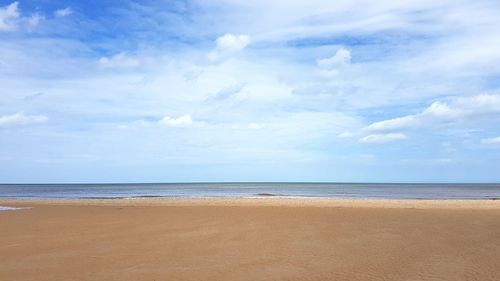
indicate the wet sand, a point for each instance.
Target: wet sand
{"x":250,"y":239}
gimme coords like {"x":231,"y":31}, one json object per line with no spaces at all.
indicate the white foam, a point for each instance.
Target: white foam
{"x":4,"y":208}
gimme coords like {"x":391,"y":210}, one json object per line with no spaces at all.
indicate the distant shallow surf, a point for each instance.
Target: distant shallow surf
{"x":251,"y":190}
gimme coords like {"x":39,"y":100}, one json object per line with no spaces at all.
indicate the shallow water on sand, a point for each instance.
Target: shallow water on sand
{"x":4,"y":208}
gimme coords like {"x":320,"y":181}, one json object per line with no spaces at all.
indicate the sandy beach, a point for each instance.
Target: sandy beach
{"x":250,"y":239}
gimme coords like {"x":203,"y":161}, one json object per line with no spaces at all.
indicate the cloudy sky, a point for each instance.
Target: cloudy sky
{"x":233,"y":90}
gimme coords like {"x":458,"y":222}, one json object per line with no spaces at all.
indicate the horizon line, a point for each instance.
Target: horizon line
{"x":242,"y":182}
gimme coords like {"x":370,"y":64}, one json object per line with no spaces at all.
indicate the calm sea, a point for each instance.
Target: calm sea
{"x":194,"y":190}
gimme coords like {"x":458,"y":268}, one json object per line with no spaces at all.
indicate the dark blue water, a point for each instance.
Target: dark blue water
{"x":196,"y":190}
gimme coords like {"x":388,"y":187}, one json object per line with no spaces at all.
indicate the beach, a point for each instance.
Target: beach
{"x":250,"y":239}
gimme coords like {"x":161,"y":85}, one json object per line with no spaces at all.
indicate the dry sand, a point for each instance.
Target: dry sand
{"x":250,"y":239}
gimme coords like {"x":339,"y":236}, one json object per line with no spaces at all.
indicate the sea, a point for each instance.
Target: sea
{"x":252,"y":190}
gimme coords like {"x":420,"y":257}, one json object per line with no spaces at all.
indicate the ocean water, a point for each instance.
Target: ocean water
{"x":198,"y":190}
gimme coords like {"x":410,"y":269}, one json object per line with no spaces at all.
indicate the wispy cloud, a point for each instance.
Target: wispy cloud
{"x":438,"y":112}
{"x":20,"y":118}
{"x":119,"y":60}
{"x":341,"y":57}
{"x":8,"y":16}
{"x":181,"y":121}
{"x":383,"y":138}
{"x":495,"y":140}
{"x":63,"y":12}
{"x":33,"y":96}
{"x":228,"y":45}
{"x":329,"y":67}
{"x":34,"y":20}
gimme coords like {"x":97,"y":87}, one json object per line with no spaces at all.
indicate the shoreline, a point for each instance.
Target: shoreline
{"x":267,"y":201}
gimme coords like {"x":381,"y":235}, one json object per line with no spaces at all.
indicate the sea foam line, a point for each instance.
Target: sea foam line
{"x":4,"y":208}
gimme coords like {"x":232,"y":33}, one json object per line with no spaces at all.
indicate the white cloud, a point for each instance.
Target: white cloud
{"x":8,"y":16}
{"x":345,"y":135}
{"x":439,"y":110}
{"x":325,"y":19}
{"x":19,"y":118}
{"x":120,"y":60}
{"x":63,"y":12}
{"x":228,"y":45}
{"x":394,"y":124}
{"x":456,"y":110}
{"x":330,"y":67}
{"x":341,"y":57}
{"x":464,"y":54}
{"x":34,"y":20}
{"x":480,"y":104}
{"x":495,"y":140}
{"x":383,"y":138}
{"x":181,"y":121}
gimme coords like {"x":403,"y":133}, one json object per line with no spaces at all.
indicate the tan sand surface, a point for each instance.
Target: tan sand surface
{"x":250,"y":239}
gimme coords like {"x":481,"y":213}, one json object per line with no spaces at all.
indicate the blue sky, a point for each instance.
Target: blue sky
{"x":219,"y":90}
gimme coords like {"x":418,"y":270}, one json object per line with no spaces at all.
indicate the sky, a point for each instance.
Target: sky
{"x":220,"y":90}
